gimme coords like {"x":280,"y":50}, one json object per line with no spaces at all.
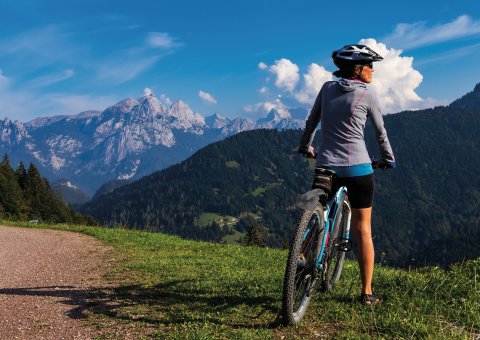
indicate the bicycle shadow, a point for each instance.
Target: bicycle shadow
{"x":158,"y":304}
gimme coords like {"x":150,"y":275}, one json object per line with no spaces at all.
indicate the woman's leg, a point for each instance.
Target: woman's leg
{"x":361,"y":226}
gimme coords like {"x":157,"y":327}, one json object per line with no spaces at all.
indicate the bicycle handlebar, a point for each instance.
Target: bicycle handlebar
{"x":383,"y":165}
{"x":375,"y":164}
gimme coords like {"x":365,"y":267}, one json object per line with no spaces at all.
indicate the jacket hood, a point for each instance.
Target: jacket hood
{"x":348,"y":85}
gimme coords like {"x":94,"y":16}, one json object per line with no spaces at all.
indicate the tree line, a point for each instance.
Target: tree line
{"x":26,"y":195}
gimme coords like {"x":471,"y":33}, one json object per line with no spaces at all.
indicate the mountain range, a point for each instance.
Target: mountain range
{"x":128,"y":140}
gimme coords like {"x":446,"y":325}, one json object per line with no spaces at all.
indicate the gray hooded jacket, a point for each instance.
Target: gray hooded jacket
{"x":343,"y":107}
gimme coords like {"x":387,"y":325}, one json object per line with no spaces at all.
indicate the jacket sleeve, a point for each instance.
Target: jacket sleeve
{"x":376,"y":117}
{"x":312,"y":123}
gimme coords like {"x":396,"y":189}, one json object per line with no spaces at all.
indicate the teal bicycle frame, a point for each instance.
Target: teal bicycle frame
{"x":330,"y":216}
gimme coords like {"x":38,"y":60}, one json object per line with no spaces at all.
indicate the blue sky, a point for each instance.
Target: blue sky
{"x":237,"y":58}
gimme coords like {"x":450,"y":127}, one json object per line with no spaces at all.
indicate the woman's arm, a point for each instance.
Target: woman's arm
{"x":380,"y":132}
{"x":311,"y":125}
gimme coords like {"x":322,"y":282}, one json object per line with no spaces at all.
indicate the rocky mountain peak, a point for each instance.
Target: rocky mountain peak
{"x":44,"y":121}
{"x":150,"y":105}
{"x":276,"y":115}
{"x":216,"y":121}
{"x":179,"y":108}
{"x":184,"y":116}
{"x":12,"y":132}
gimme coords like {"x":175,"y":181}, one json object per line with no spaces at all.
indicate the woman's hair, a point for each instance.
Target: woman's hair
{"x":345,"y":72}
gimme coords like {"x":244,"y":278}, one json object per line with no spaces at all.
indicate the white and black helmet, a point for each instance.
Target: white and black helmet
{"x":354,"y":55}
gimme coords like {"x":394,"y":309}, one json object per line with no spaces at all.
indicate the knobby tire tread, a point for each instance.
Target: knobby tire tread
{"x":291,"y":316}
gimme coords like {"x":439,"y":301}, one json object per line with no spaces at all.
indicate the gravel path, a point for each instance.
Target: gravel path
{"x":46,"y":277}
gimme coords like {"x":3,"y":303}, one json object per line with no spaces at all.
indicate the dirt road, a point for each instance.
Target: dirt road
{"x":46,"y":278}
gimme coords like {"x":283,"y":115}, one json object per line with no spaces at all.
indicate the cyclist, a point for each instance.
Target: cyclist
{"x":342,"y":107}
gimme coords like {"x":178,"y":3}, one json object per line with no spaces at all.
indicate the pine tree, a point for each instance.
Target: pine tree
{"x":254,"y":236}
{"x":21,"y":174}
{"x":10,"y":192}
{"x":38,"y":194}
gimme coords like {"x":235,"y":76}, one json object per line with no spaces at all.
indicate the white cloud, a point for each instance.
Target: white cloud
{"x":34,"y":105}
{"x":161,"y":40}
{"x":262,"y":66}
{"x":165,"y":100}
{"x":51,"y":78}
{"x":278,"y":106}
{"x":395,"y":81}
{"x":74,"y":103}
{"x":287,"y":78}
{"x":286,"y":73}
{"x":263,"y":90}
{"x":147,"y":91}
{"x":260,"y":109}
{"x":125,"y":65}
{"x":418,"y":34}
{"x":123,"y":68}
{"x":448,"y":55}
{"x":41,"y":46}
{"x":312,"y":83}
{"x":207,"y":97}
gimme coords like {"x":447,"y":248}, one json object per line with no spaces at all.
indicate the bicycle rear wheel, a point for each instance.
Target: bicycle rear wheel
{"x":337,"y":245}
{"x":301,"y":272}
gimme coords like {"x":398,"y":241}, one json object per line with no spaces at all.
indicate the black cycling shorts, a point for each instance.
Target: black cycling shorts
{"x":360,"y":190}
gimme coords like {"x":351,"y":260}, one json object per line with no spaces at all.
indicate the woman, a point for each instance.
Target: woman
{"x":343,"y":107}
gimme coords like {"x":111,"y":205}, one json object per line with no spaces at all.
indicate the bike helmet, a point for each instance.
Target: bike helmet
{"x":350,"y":55}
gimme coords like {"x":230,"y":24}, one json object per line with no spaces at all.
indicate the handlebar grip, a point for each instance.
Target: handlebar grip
{"x":383,"y":165}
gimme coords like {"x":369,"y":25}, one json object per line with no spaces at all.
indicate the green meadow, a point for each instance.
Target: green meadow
{"x":166,"y":287}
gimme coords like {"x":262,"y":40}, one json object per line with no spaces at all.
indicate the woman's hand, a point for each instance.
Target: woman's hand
{"x":311,"y":152}
{"x":308,"y":152}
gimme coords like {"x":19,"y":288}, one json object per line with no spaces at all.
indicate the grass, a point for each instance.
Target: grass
{"x":236,"y":237}
{"x":258,"y":191}
{"x":232,"y":164}
{"x":208,"y":217}
{"x":173,"y":288}
{"x":261,"y":190}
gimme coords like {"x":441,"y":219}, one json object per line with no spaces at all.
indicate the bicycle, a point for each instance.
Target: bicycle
{"x":318,"y":246}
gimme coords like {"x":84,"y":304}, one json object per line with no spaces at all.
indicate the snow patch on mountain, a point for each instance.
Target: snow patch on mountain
{"x":56,"y":162}
{"x":65,"y":145}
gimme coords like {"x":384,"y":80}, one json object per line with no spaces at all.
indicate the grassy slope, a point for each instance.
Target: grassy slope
{"x":183,"y":289}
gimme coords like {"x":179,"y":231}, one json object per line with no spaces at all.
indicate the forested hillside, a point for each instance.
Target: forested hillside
{"x":26,"y":195}
{"x":426,"y":211}
{"x":255,"y":175}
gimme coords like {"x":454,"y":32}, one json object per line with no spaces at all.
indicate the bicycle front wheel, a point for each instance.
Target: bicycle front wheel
{"x":337,"y":245}
{"x":301,"y":272}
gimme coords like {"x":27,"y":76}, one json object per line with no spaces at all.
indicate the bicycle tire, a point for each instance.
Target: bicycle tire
{"x":301,"y":272}
{"x":334,"y":258}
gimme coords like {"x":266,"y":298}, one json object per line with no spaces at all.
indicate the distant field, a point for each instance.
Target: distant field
{"x":234,"y":238}
{"x":207,"y":218}
{"x":173,"y":288}
{"x":260,"y":190}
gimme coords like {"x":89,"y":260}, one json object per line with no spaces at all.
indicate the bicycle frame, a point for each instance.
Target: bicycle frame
{"x":330,"y":216}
